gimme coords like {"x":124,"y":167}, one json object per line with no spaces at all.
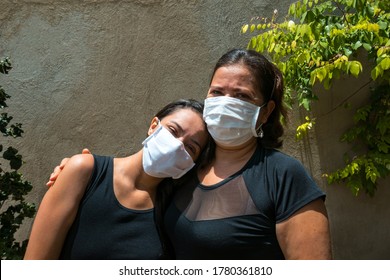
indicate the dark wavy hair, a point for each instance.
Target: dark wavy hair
{"x":179,"y":104}
{"x":269,"y":81}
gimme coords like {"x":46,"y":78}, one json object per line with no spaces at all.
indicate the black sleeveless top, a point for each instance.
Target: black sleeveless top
{"x":236,"y":218}
{"x":104,"y":229}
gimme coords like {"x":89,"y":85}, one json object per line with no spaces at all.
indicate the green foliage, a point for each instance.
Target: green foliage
{"x":13,"y":188}
{"x":369,"y":159}
{"x":303,"y":129}
{"x":318,"y":41}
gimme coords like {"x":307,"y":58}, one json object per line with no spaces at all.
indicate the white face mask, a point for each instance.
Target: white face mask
{"x":230,"y":121}
{"x":165,"y":156}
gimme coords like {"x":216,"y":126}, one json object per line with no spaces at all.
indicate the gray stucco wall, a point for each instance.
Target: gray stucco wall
{"x":92,"y":73}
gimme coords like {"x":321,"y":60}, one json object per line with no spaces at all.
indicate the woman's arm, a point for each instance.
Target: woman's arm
{"x":305,"y":235}
{"x":58,"y":209}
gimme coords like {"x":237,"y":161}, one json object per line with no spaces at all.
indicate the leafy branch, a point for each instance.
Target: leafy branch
{"x":13,"y":188}
{"x":318,"y":42}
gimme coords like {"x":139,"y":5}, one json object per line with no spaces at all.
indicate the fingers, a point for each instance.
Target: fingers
{"x":58,"y":168}
{"x":61,"y":166}
{"x":56,"y":171}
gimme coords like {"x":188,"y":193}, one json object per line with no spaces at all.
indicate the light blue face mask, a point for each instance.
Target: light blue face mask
{"x":165,"y":156}
{"x":230,"y":121}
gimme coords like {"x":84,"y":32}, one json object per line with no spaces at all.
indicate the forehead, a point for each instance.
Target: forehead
{"x":234,"y":72}
{"x":189,"y":120}
{"x":236,"y":77}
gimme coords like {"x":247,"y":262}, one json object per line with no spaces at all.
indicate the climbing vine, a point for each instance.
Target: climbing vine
{"x":13,"y":187}
{"x":319,"y":41}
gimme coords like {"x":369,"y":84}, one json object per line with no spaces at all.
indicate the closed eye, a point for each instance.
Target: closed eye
{"x":192,"y":146}
{"x":173,"y":131}
{"x":191,"y":149}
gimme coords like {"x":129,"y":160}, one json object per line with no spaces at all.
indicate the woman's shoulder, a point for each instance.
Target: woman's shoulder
{"x":81,"y":164}
{"x":83,"y":160}
{"x":281,"y":160}
{"x":75,"y":176}
{"x":271,"y":153}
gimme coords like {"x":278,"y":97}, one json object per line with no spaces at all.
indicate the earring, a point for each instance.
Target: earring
{"x":260,"y":131}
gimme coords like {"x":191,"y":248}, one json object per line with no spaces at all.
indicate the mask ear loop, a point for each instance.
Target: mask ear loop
{"x":158,"y":122}
{"x":259,"y":131}
{"x":157,"y":126}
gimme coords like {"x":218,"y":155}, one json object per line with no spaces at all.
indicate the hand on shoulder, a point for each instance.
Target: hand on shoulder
{"x":78,"y":167}
{"x":57,"y":170}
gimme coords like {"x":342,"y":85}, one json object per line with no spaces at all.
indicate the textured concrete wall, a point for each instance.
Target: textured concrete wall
{"x":360,"y":225}
{"x":92,"y":73}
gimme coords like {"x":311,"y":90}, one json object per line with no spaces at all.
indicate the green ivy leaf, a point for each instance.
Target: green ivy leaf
{"x":376,"y":72}
{"x":383,"y":126}
{"x":357,"y":45}
{"x":383,"y":25}
{"x":321,"y":73}
{"x":367,"y":46}
{"x":347,"y":52}
{"x":355,"y":68}
{"x":324,"y":44}
{"x":385,"y":64}
{"x":383,"y":147}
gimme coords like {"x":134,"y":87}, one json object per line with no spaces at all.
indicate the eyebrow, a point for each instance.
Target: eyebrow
{"x":193,"y":140}
{"x":235,"y":89}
